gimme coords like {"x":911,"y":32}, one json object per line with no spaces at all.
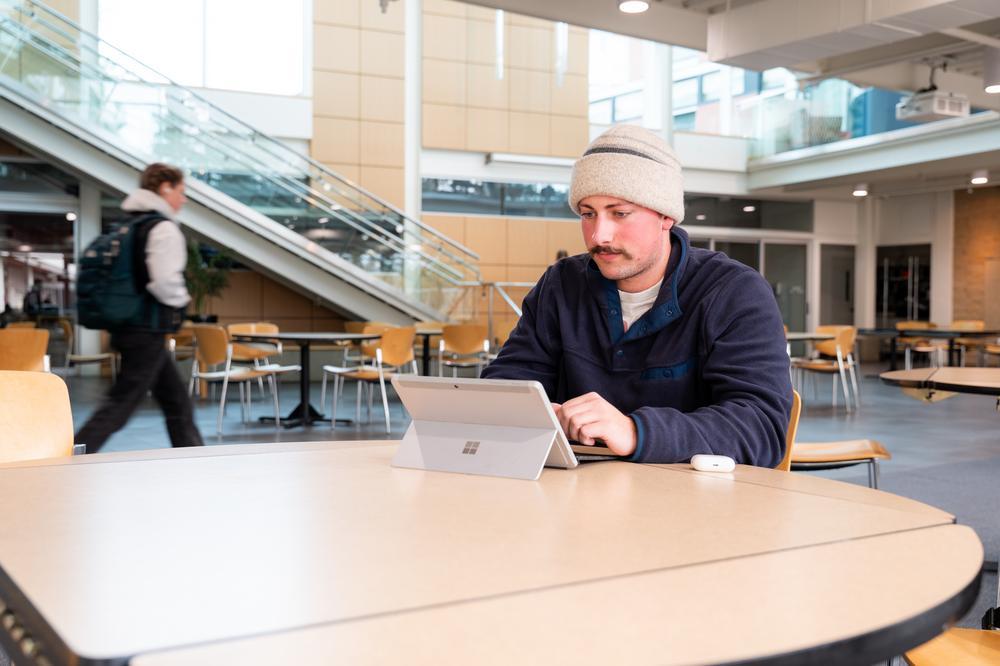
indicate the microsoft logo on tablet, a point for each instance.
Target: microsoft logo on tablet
{"x":470,"y":448}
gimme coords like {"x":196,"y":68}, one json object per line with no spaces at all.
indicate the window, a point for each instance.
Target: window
{"x":711,"y":86}
{"x":686,"y":92}
{"x":247,"y":45}
{"x":488,"y":198}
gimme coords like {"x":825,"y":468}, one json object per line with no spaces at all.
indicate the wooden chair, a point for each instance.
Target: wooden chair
{"x":990,"y":352}
{"x":844,"y":453}
{"x":462,"y":346}
{"x":352,"y":361}
{"x":965,"y":343}
{"x":180,"y":343}
{"x":395,"y":349}
{"x":793,"y":427}
{"x":24,"y":349}
{"x":837,"y":360}
{"x":111,"y":358}
{"x":35,"y":417}
{"x":915,"y":343}
{"x":22,"y":324}
{"x":214,"y":349}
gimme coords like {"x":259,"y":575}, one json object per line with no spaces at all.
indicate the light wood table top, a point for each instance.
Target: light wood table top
{"x":326,"y":552}
{"x":959,"y":380}
{"x":806,"y":336}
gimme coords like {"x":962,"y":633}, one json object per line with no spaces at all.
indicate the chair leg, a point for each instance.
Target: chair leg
{"x":875,"y":472}
{"x":385,"y":402}
{"x":833,"y":390}
{"x":908,"y":361}
{"x":222,"y":404}
{"x":371,"y":400}
{"x":322,"y":390}
{"x":843,"y":384}
{"x":243,"y":402}
{"x":333,"y":403}
{"x":277,"y":403}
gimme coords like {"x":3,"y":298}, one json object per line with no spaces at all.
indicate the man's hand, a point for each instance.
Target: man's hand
{"x":590,"y":417}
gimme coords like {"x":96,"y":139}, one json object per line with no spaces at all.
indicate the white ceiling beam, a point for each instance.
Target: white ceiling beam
{"x":661,"y":23}
{"x":970,"y":36}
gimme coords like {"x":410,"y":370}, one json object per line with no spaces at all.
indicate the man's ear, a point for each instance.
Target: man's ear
{"x":668,"y":222}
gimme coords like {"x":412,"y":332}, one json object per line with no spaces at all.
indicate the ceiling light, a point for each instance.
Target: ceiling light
{"x":323,"y":220}
{"x":749,"y":209}
{"x":980,"y":177}
{"x":632,"y":6}
{"x":24,"y":248}
{"x":991,"y":70}
{"x":70,"y":217}
{"x":700,"y":216}
{"x":860,"y":190}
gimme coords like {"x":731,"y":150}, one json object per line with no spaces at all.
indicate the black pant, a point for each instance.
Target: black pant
{"x":146,"y":365}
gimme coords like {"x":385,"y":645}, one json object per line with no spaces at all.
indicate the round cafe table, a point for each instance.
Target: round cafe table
{"x":323,"y":552}
{"x":304,"y":413}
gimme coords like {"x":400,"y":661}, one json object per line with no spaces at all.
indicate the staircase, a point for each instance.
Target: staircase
{"x":78,"y":102}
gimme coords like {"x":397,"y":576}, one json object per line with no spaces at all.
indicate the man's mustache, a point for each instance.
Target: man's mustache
{"x":609,"y":249}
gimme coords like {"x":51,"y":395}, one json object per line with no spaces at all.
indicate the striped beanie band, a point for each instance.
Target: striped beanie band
{"x":631,"y":163}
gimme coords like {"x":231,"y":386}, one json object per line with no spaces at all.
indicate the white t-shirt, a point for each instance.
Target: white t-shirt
{"x":634,"y":305}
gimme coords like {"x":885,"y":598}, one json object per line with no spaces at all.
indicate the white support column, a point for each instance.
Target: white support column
{"x":87,"y":228}
{"x":865,"y":269}
{"x":412,"y":135}
{"x":667,"y":91}
{"x":943,"y":258}
{"x":813,"y":275}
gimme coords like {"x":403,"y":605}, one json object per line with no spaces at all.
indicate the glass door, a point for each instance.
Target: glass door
{"x":785,"y":271}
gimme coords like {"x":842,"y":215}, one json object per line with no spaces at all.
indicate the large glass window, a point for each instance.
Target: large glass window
{"x":488,"y":198}
{"x":247,"y":45}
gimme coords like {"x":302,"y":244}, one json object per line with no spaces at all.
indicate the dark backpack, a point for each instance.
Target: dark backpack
{"x":111,"y":281}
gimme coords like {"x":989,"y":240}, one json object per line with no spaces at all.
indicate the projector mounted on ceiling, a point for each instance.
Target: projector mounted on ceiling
{"x":932,"y":104}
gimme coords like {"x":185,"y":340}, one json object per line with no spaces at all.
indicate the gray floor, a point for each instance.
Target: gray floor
{"x":946,"y":454}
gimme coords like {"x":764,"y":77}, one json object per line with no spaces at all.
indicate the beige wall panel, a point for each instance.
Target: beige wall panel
{"x":485,"y":90}
{"x":487,"y":130}
{"x":444,"y":127}
{"x":578,"y":52}
{"x":530,"y":91}
{"x":336,"y":140}
{"x":276,"y":300}
{"x":382,"y":99}
{"x":381,"y":144}
{"x":336,"y":94}
{"x":568,"y":136}
{"x":336,"y":48}
{"x":444,"y":82}
{"x":529,"y":133}
{"x":452,"y":226}
{"x":523,"y":246}
{"x":523,"y":274}
{"x":349,"y":171}
{"x":482,"y":42}
{"x":241,"y":298}
{"x":69,"y":8}
{"x":385,"y":182}
{"x":487,"y":236}
{"x":339,"y":12}
{"x":392,"y":20}
{"x":445,"y":7}
{"x":530,"y":48}
{"x":289,"y":324}
{"x":502,"y":328}
{"x":481,"y":13}
{"x":561,"y":235}
{"x":571,"y":97}
{"x":444,"y":37}
{"x":382,"y":53}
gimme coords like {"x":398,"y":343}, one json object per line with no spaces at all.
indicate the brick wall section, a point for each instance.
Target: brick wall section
{"x":977,"y":237}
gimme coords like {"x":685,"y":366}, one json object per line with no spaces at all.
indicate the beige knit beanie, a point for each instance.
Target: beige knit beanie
{"x":630,"y":163}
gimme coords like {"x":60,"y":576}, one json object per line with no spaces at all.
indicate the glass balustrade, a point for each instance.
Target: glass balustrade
{"x":118,"y":100}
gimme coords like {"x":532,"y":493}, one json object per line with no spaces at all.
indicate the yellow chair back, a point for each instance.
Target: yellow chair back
{"x":844,"y":338}
{"x":212,"y":343}
{"x":35,"y":416}
{"x":968,"y":325}
{"x":23,"y":348}
{"x":22,"y":324}
{"x":368,"y":347}
{"x":464,"y":338}
{"x":793,"y":425}
{"x":397,"y":345}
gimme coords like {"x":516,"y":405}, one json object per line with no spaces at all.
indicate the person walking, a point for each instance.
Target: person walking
{"x":158,"y":270}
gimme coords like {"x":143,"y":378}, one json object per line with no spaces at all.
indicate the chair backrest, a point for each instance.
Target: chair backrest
{"x":23,"y":348}
{"x":253,"y":327}
{"x":397,"y":345}
{"x":184,"y":336}
{"x":212,"y":344}
{"x":464,"y":338}
{"x":844,"y":337}
{"x":22,"y":324}
{"x":430,"y":325}
{"x":368,"y":347}
{"x":35,"y":416}
{"x":67,"y":329}
{"x":911,"y":325}
{"x":968,"y":325}
{"x":355,"y":326}
{"x":793,"y":425}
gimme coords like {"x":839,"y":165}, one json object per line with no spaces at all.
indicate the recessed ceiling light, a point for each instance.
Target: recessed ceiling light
{"x":71,"y":217}
{"x":860,"y":190}
{"x":24,"y":248}
{"x":632,"y":6}
{"x":700,"y":216}
{"x":749,"y":209}
{"x":980,"y":177}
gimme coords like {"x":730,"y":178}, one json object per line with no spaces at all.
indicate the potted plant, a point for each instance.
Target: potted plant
{"x":207,"y":275}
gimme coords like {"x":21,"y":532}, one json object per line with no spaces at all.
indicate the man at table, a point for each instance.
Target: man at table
{"x":658,"y":349}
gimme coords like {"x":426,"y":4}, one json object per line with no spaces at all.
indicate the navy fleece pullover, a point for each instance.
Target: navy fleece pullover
{"x":703,"y":371}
